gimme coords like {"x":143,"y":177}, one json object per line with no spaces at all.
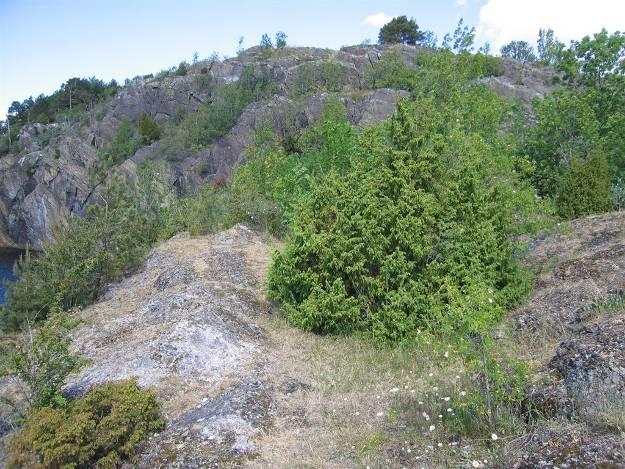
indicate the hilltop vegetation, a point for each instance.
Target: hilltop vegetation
{"x":407,"y":228}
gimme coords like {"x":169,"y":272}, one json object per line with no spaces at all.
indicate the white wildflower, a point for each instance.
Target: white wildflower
{"x":494,"y":437}
{"x":432,"y":428}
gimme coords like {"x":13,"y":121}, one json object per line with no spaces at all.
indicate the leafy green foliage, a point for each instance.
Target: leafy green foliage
{"x":182,"y":70}
{"x":566,"y":127}
{"x":496,"y":401}
{"x":520,"y":51}
{"x":462,"y":39}
{"x":201,"y":213}
{"x":585,"y":187}
{"x":87,"y":253}
{"x":548,"y":47}
{"x":77,"y":95}
{"x":265,"y":190}
{"x":101,"y":429}
{"x":585,"y":116}
{"x":215,"y":117}
{"x":390,"y":72}
{"x":124,"y":144}
{"x":41,"y":360}
{"x":318,"y":77}
{"x":400,"y":241}
{"x":617,"y":195}
{"x":149,"y":130}
{"x":400,"y":30}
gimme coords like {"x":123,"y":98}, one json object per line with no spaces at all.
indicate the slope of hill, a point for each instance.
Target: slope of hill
{"x":53,"y":174}
{"x":240,"y":386}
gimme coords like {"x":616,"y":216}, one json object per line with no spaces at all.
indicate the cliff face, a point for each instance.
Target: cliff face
{"x":50,"y":177}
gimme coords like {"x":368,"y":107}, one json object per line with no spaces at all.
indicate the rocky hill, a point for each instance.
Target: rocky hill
{"x":50,"y":177}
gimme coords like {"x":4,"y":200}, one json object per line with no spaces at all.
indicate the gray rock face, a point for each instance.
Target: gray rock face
{"x":592,"y":364}
{"x":575,"y":319}
{"x":522,"y":82}
{"x":185,"y":326}
{"x":49,"y":178}
{"x":589,"y":264}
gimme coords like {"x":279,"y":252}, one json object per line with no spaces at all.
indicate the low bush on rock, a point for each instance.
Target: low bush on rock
{"x":99,"y":430}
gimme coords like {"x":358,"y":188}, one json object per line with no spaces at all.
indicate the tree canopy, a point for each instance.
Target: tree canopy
{"x":401,"y":30}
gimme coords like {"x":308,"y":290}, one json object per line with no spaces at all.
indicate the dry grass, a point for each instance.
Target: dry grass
{"x":345,"y":402}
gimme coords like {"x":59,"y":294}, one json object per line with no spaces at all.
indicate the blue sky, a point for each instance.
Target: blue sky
{"x":45,"y":42}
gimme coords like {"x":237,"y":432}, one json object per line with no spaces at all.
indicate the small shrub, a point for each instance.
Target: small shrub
{"x":281,"y":40}
{"x":318,"y":77}
{"x":85,"y":254}
{"x":182,"y":70}
{"x":495,"y":400}
{"x":124,"y":145}
{"x":41,"y":360}
{"x":617,"y":195}
{"x":390,"y":72}
{"x":585,"y":187}
{"x":101,"y":429}
{"x":200,"y":213}
{"x":149,"y":130}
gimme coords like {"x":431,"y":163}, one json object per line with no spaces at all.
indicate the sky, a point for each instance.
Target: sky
{"x":45,"y":42}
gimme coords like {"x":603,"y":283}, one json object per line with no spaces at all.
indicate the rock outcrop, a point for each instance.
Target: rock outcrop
{"x":185,"y":326}
{"x":574,"y":327}
{"x":50,"y":177}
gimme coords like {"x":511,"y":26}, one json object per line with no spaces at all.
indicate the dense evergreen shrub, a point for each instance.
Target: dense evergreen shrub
{"x":585,"y":187}
{"x":101,"y":429}
{"x":414,"y":236}
{"x":149,"y":130}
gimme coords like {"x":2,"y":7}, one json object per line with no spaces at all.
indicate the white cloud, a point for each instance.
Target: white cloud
{"x":502,"y":21}
{"x":378,"y":20}
{"x":460,"y":3}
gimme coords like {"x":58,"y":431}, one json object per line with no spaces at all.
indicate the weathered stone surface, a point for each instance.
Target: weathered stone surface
{"x":523,"y":82}
{"x":592,"y":364}
{"x":579,"y":268}
{"x":185,"y":326}
{"x":573,"y":329}
{"x":49,"y":178}
{"x":572,"y":449}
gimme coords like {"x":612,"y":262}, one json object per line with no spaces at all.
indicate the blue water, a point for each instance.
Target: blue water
{"x":7,"y":259}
